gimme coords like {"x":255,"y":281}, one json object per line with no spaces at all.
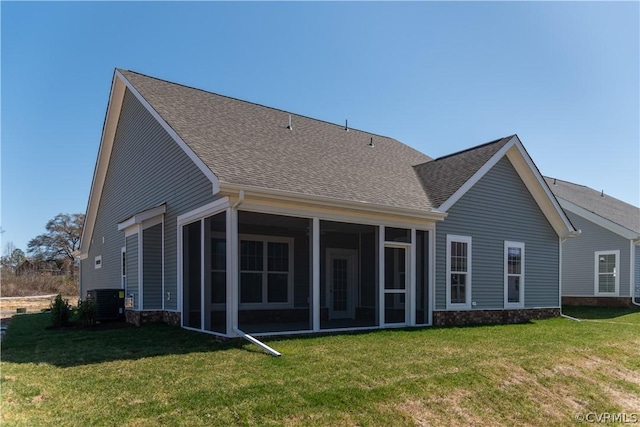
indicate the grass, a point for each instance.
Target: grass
{"x":540,"y":373}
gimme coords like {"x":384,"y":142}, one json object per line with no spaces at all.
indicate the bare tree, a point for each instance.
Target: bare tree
{"x":12,"y":257}
{"x":60,"y":241}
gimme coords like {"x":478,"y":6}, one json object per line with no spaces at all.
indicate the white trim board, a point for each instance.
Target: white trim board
{"x":114,"y":107}
{"x":188,"y":151}
{"x":531,"y":177}
{"x":598,"y":220}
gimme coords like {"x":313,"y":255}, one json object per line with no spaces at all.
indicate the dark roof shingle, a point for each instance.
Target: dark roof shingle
{"x":599,"y":203}
{"x":442,"y":177}
{"x":249,"y":144}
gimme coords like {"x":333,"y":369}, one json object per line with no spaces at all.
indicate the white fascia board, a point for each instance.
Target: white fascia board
{"x":212,"y":208}
{"x":477,"y":176}
{"x":114,"y":107}
{"x":598,"y":220}
{"x":188,"y":151}
{"x":533,"y":180}
{"x":140,"y":217}
{"x":311,"y":206}
{"x":542,"y":194}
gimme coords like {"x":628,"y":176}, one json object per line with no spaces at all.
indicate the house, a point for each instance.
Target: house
{"x":226,"y":217}
{"x":603,"y":266}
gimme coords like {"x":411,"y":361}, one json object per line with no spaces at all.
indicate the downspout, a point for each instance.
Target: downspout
{"x":240,"y":333}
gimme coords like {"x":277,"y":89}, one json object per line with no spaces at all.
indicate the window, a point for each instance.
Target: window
{"x":458,"y":271}
{"x":513,"y":274}
{"x":607,"y":267}
{"x":97,"y":263}
{"x":266,"y":270}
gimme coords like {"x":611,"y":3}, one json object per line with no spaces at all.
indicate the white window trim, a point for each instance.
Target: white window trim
{"x":462,"y":239}
{"x":597,"y":273}
{"x":97,"y":262}
{"x":520,"y":303}
{"x":265,"y":305}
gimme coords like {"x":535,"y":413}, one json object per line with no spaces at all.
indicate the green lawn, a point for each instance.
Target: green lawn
{"x":541,"y":373}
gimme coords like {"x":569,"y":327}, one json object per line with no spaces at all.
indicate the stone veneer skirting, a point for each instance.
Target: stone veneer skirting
{"x":598,"y":301}
{"x":141,"y":317}
{"x":484,"y":317}
{"x":440,"y":318}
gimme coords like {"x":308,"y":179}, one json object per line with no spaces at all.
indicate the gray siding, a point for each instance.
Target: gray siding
{"x":498,"y":208}
{"x":132,"y":269}
{"x":152,"y":268}
{"x":578,"y":257}
{"x":147,"y":168}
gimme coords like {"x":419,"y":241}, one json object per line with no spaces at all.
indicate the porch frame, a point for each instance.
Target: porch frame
{"x":232,"y":203}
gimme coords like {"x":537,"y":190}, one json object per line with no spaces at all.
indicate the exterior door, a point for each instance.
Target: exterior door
{"x":342,"y":282}
{"x":395,"y":285}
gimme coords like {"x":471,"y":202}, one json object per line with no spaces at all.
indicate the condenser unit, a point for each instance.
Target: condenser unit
{"x":109,"y":303}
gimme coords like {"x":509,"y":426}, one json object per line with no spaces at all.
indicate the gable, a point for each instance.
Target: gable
{"x":449,"y":178}
{"x":499,"y":208}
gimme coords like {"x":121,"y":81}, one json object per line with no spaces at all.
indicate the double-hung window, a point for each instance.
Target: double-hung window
{"x":266,"y":270}
{"x":513,"y":274}
{"x":607,"y":277}
{"x":458,"y":272}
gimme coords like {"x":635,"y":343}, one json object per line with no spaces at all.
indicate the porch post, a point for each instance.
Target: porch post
{"x":315,"y":253}
{"x":232,"y":270}
{"x":431,"y":277}
{"x":412,"y":279}
{"x":381,"y":261}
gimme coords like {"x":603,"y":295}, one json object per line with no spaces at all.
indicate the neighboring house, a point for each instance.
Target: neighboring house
{"x":602,"y":267}
{"x":44,"y":268}
{"x":223,"y":216}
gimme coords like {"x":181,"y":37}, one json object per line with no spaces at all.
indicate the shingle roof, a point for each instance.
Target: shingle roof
{"x":249,"y":144}
{"x":442,"y":177}
{"x":605,"y":206}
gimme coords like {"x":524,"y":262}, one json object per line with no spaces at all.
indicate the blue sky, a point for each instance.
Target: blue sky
{"x":440,"y":77}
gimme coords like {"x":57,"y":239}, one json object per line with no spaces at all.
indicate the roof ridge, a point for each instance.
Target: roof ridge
{"x":266,"y":106}
{"x":569,"y":182}
{"x":475,"y":148}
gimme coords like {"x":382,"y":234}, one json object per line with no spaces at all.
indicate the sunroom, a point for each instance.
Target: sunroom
{"x":246,"y":266}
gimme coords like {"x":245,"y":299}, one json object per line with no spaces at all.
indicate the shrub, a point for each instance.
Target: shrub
{"x":87,"y":312}
{"x":60,"y":311}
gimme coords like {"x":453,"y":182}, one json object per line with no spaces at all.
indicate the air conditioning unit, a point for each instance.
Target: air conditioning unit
{"x":109,"y":303}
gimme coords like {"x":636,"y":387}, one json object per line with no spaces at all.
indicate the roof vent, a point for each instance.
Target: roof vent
{"x":602,"y":193}
{"x":346,"y":125}
{"x":554,"y":182}
{"x":371,"y":143}
{"x":290,"y":126}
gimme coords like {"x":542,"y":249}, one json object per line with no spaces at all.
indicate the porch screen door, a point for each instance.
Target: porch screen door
{"x":395,"y":285}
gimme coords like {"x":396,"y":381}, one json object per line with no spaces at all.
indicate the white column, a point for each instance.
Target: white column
{"x":381,"y":261}
{"x":431,"y":285}
{"x":315,"y":253}
{"x":412,"y":279}
{"x":202,"y":255}
{"x":232,"y":271}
